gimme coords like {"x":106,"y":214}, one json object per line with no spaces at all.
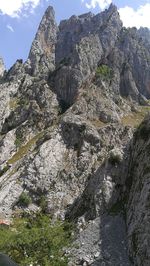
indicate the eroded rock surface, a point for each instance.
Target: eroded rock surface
{"x":138,"y":210}
{"x":41,"y":58}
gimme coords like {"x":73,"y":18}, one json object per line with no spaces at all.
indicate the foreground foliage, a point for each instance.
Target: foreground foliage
{"x":36,"y":241}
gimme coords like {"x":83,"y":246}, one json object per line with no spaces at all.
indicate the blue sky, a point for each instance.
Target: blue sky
{"x":19,"y":20}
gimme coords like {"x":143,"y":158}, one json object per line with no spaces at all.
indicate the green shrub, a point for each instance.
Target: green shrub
{"x":144,"y":131}
{"x":24,"y":199}
{"x":37,"y":241}
{"x":19,"y":138}
{"x":104,"y":72}
{"x":4,"y":170}
{"x":43,"y":203}
{"x":118,"y":207}
{"x":24,"y":102}
{"x":115,"y":156}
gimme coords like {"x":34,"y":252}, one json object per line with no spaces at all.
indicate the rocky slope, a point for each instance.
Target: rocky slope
{"x":67,"y":118}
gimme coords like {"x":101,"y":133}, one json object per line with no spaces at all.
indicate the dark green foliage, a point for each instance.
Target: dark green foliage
{"x":114,"y":159}
{"x":24,"y":199}
{"x":118,"y":207}
{"x":104,"y":72}
{"x":18,"y":142}
{"x":146,"y":170}
{"x":19,"y":139}
{"x":43,"y":203}
{"x":144,"y":131}
{"x":63,"y":106}
{"x":4,"y":170}
{"x":24,"y":102}
{"x":36,"y":240}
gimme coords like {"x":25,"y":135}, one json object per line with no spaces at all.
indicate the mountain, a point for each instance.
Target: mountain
{"x":72,"y":134}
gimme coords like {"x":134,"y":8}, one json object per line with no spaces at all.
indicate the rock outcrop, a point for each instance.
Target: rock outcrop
{"x":2,"y":68}
{"x":68,"y":136}
{"x":41,"y":58}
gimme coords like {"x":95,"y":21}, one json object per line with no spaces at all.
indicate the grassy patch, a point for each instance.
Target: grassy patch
{"x":98,"y":123}
{"x":25,"y":149}
{"x":135,"y":118}
{"x":13,"y":103}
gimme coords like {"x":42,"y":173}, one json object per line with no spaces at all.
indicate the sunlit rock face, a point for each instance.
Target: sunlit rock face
{"x":67,"y":122}
{"x":2,"y":67}
{"x":41,"y":58}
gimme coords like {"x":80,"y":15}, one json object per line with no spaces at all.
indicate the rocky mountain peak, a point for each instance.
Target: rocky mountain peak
{"x":42,"y":54}
{"x":49,"y":13}
{"x":144,"y":33}
{"x":113,"y":8}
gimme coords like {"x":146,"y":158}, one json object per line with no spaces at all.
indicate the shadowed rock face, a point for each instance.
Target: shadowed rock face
{"x":6,"y":261}
{"x":67,"y":118}
{"x":138,"y":206}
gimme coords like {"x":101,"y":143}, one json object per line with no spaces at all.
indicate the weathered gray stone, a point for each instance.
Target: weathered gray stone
{"x":138,"y":189}
{"x":41,"y":58}
{"x":2,"y":67}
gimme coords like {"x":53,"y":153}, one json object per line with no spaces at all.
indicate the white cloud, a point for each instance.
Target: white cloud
{"x":10,"y":28}
{"x":101,"y":3}
{"x":14,"y":8}
{"x":136,"y":18}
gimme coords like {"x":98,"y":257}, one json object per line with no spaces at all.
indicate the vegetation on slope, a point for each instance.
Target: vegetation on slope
{"x":36,"y":241}
{"x":104,"y":72}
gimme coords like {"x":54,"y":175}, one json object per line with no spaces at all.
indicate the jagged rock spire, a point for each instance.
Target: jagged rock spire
{"x":2,"y":67}
{"x":42,"y":53}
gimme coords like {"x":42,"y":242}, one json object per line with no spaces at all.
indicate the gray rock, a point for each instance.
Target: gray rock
{"x":2,"y":67}
{"x":138,"y":189}
{"x":41,"y":58}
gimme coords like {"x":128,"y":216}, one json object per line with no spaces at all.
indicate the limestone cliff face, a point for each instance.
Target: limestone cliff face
{"x":87,"y":39}
{"x":67,"y":119}
{"x":42,"y":54}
